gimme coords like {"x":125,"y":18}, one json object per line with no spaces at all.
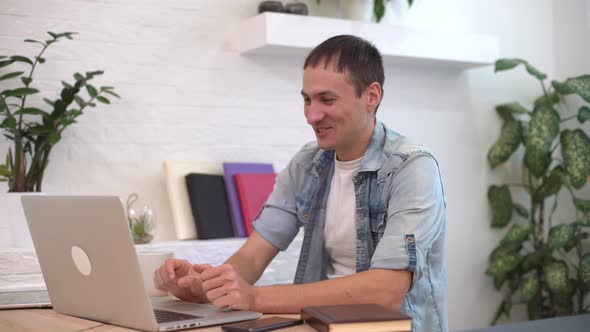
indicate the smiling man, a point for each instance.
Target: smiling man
{"x":371,"y":204}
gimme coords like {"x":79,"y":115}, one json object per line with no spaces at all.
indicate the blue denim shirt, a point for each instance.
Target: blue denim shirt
{"x":400,"y":218}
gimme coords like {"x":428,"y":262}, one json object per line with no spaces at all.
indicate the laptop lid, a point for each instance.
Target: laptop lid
{"x":88,"y":260}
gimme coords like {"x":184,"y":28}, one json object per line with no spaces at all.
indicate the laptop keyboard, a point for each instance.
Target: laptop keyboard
{"x":164,"y":316}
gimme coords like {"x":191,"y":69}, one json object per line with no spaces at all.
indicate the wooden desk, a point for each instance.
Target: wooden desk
{"x":33,"y":320}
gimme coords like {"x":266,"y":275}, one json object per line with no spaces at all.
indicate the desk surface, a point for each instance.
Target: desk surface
{"x":32,"y":320}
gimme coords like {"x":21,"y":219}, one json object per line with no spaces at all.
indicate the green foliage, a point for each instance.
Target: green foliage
{"x":35,"y":130}
{"x":535,"y":257}
{"x":501,"y":204}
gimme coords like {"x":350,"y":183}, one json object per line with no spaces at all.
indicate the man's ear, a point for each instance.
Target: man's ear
{"x":374,"y":94}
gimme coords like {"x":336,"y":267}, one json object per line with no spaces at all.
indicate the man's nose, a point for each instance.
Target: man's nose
{"x":314,"y":114}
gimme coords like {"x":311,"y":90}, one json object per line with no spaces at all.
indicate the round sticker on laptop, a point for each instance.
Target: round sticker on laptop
{"x":81,"y":261}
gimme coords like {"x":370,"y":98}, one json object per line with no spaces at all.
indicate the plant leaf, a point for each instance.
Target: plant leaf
{"x":584,"y":222}
{"x":508,"y":109}
{"x":31,"y":111}
{"x":19,"y":92}
{"x":550,"y":186}
{"x":20,"y":58}
{"x":504,"y":250}
{"x":11,"y":75}
{"x":542,"y":130}
{"x":9,"y":123}
{"x":379,"y":9}
{"x":579,"y":85}
{"x":504,"y":265}
{"x":530,"y":286}
{"x":584,"y":114}
{"x":508,"y":142}
{"x":34,"y":41}
{"x":500,"y":201}
{"x":575,"y":149}
{"x":584,"y":271}
{"x":560,"y":235}
{"x":547,"y":101}
{"x":91,"y":90}
{"x":5,"y":63}
{"x":556,"y":277}
{"x":582,"y":205}
{"x":517,"y":234}
{"x":103,"y":100}
{"x":79,"y":101}
{"x":26,"y":80}
{"x":506,"y":64}
{"x":520,"y":210}
{"x":54,"y":137}
{"x":533,"y":260}
{"x":112,"y":93}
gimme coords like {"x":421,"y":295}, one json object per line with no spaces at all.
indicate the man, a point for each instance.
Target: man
{"x":370,"y":202}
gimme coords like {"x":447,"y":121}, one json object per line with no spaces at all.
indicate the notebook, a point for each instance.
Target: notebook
{"x":253,"y":191}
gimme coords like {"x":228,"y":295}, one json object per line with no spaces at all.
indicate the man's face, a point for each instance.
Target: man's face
{"x":339,"y":118}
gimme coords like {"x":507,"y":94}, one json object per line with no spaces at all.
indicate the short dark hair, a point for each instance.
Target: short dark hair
{"x":362,"y":60}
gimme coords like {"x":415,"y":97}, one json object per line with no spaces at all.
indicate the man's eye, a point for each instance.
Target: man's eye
{"x":306,"y":101}
{"x":328,"y":101}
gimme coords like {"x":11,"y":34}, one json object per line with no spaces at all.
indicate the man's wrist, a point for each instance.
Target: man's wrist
{"x":256,"y":299}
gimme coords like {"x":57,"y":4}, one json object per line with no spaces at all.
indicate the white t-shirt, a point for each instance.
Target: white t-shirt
{"x":340,"y":228}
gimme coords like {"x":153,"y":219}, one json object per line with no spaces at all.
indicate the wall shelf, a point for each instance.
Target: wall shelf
{"x":295,"y":35}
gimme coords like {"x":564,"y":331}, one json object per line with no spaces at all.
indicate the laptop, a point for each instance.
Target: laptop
{"x":91,"y":270}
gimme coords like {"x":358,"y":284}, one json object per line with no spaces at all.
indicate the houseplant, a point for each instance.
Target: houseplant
{"x":35,"y":131}
{"x":378,"y":7}
{"x":542,"y":262}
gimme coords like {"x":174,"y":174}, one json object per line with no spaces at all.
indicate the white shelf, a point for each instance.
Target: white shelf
{"x":295,"y":35}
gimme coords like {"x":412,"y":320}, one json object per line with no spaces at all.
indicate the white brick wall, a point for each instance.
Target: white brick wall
{"x":187,"y":95}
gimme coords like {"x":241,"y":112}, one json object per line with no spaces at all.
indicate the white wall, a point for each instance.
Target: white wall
{"x":188,"y":96}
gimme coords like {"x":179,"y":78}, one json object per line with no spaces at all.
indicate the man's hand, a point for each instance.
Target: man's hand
{"x":225,"y":288}
{"x":182,"y":279}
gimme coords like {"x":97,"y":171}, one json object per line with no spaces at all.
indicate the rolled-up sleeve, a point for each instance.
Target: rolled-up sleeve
{"x":415,"y":217}
{"x":277,"y":221}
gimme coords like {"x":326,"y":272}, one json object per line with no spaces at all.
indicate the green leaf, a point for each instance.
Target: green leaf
{"x":500,"y":201}
{"x":79,"y":101}
{"x":533,"y":260}
{"x":582,"y":205}
{"x":580,"y":236}
{"x":508,"y":142}
{"x":66,"y":85}
{"x":584,"y":271}
{"x":112,"y":93}
{"x":521,"y":210}
{"x":11,"y":75}
{"x":9,"y":123}
{"x":41,"y":60}
{"x":49,"y":102}
{"x":560,"y":235}
{"x":506,"y":64}
{"x":91,"y":90}
{"x":20,"y":58}
{"x":54,"y":137}
{"x":547,"y":101}
{"x":379,"y":9}
{"x":34,"y":41}
{"x":542,"y":130}
{"x":103,"y":100}
{"x":31,"y":111}
{"x":530,"y":287}
{"x":4,"y":170}
{"x":506,"y":110}
{"x":5,"y":63}
{"x":78,"y":77}
{"x":579,"y":85}
{"x":583,"y":114}
{"x":26,"y":80}
{"x":550,"y":186}
{"x":504,"y":265}
{"x":517,"y":234}
{"x":556,"y":277}
{"x":584,"y":222}
{"x":20,"y":92}
{"x":575,"y":149}
{"x":504,"y":250}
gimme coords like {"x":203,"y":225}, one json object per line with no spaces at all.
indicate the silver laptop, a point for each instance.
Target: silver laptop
{"x":91,"y":270}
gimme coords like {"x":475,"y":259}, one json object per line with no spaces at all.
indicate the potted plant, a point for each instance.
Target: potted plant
{"x":34,"y":130}
{"x":364,"y":10}
{"x":541,"y":262}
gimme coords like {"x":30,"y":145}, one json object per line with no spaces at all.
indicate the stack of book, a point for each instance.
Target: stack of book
{"x":227,"y":205}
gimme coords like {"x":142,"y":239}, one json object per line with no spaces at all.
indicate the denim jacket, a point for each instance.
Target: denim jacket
{"x":400,"y":218}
